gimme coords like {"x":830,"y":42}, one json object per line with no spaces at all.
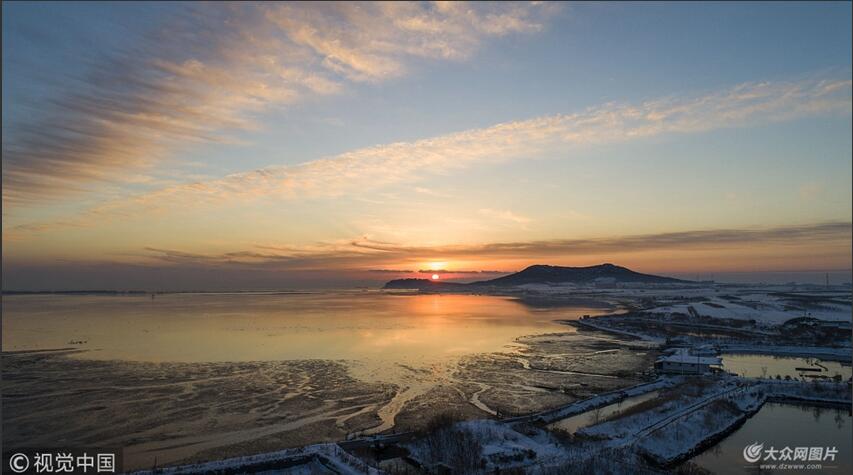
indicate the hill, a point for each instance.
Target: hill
{"x":424,"y":284}
{"x":543,"y":274}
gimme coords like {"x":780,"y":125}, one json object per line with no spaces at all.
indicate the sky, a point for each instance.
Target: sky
{"x":187,"y":146}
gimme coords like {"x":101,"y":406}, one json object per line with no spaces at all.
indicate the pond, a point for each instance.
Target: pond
{"x":574,"y":423}
{"x":768,"y":366}
{"x":778,"y":426}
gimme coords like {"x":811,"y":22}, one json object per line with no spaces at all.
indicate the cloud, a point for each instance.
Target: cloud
{"x":811,"y":190}
{"x":699,"y":239}
{"x":365,"y":42}
{"x":369,"y":168}
{"x":207,"y":74}
{"x":365,"y":254}
{"x":431,"y":192}
{"x":465,"y":272}
{"x":436,"y":271}
{"x":505,"y":215}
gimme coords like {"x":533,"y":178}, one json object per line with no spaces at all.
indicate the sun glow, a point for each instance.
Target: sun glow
{"x":437,"y":265}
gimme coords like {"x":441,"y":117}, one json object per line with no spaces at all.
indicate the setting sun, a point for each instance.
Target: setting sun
{"x":436,"y":277}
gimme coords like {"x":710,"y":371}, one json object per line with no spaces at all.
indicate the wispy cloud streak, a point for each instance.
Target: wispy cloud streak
{"x":367,"y":254}
{"x":746,"y":104}
{"x":435,"y":271}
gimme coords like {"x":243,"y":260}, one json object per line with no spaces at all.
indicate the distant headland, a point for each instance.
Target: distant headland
{"x":544,"y":274}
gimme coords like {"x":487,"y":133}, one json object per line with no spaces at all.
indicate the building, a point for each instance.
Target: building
{"x":684,"y":361}
{"x":840,"y":324}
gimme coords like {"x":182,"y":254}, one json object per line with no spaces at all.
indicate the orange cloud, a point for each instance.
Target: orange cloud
{"x":789,"y":243}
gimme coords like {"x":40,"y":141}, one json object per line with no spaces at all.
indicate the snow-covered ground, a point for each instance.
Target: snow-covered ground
{"x":629,"y":428}
{"x":770,"y":304}
{"x":483,"y":445}
{"x":309,"y":459}
{"x":678,"y":438}
{"x":693,"y":415}
{"x":765,"y":310}
{"x":764,"y":304}
{"x":591,"y":323}
{"x":816,"y":391}
{"x":604,"y":399}
{"x":500,"y":443}
{"x":682,"y":436}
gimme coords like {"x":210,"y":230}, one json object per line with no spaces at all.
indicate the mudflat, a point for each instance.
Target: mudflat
{"x":477,"y":356}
